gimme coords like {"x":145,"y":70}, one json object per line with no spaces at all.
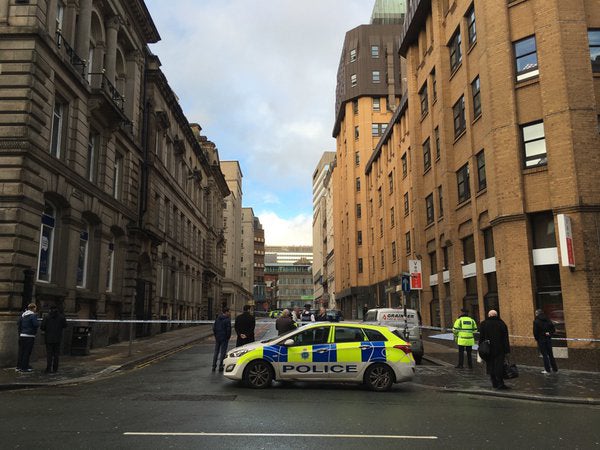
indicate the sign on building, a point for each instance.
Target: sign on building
{"x":416,"y":278}
{"x":565,"y":236}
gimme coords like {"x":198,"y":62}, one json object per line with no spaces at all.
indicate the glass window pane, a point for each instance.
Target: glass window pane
{"x":525,"y":46}
{"x":535,"y":148}
{"x":535,"y":131}
{"x":528,"y":62}
{"x":594,"y":37}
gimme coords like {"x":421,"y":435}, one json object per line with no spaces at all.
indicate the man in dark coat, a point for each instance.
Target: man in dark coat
{"x":222,"y":332}
{"x":285,"y":323}
{"x":494,"y":330}
{"x":27,"y":327}
{"x":53,"y":325}
{"x":543,"y":329}
{"x":244,"y":327}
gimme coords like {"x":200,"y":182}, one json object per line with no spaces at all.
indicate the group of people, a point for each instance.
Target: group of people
{"x":52,"y":325}
{"x":244,"y":326}
{"x":288,"y":321}
{"x":494,"y":332}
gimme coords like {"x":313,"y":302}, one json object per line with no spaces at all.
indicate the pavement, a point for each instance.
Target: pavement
{"x":438,"y":372}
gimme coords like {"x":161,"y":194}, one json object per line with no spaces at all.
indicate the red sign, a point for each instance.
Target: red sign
{"x":414,"y":268}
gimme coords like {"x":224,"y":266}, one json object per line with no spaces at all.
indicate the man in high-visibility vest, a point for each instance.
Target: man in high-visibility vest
{"x":464,"y":329}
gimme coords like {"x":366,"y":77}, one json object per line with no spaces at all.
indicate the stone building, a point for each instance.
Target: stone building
{"x":247,"y":249}
{"x":86,"y":199}
{"x":259,"y":293}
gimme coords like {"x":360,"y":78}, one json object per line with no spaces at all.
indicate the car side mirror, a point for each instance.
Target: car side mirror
{"x":288,"y":342}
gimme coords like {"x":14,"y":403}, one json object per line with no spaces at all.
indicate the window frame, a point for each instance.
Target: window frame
{"x":595,"y":65}
{"x":476,"y":96}
{"x":454,"y":46}
{"x":458,"y":115}
{"x":377,"y":104}
{"x":118,"y":176}
{"x":463,"y":179}
{"x":544,"y":159}
{"x":423,"y":96}
{"x":57,"y":128}
{"x":374,"y":51}
{"x":481,"y":175}
{"x":440,"y":201}
{"x":353,"y":55}
{"x":426,"y":155}
{"x":353,"y":80}
{"x":47,"y":222}
{"x":83,"y":259}
{"x":429,"y":209}
{"x":525,"y":73}
{"x":471,"y":25}
{"x":376,"y":76}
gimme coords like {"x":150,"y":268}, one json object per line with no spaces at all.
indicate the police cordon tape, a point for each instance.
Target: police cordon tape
{"x":210,"y":322}
{"x":425,"y":327}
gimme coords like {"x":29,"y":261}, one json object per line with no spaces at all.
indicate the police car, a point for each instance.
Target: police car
{"x":374,"y":355}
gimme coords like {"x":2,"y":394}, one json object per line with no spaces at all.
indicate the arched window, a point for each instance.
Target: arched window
{"x":44,"y":270}
{"x":84,"y":236}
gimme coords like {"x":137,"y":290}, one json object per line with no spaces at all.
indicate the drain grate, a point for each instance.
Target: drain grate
{"x":187,"y":398}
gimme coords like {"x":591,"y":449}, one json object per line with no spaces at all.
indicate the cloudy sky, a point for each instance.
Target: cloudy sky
{"x":259,"y":77}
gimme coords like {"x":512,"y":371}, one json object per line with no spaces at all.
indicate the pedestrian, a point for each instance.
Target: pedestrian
{"x":494,"y":330}
{"x":464,"y":330}
{"x":244,"y":327}
{"x":52,"y":326}
{"x":222,"y":332}
{"x":543,"y":330}
{"x":296,"y":314}
{"x":307,"y":315}
{"x":284,"y":323}
{"x":322,"y":315}
{"x":27,"y":326}
{"x":365,"y":310}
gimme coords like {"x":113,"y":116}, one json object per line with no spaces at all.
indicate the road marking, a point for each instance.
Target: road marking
{"x":343,"y":436}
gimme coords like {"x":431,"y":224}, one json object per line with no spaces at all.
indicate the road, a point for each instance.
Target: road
{"x":177,"y":402}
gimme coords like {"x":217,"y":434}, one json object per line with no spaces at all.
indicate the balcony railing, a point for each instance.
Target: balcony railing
{"x":99,"y":80}
{"x":76,"y":61}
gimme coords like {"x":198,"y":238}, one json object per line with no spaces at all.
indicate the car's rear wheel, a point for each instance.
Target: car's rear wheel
{"x":379,"y":377}
{"x":258,"y":374}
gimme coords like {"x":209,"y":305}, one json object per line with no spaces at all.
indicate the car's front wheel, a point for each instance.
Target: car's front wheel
{"x":379,"y":377}
{"x":258,"y":374}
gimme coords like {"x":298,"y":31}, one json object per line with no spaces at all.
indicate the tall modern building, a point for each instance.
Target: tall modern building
{"x":259,"y":292}
{"x":247,"y":249}
{"x":288,"y":254}
{"x":369,"y":87}
{"x":321,"y":188}
{"x":486,"y":172}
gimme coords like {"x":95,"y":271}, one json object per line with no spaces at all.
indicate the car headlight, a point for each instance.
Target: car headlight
{"x":238,"y":353}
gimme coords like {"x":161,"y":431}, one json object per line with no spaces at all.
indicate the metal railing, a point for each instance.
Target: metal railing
{"x":99,"y":80}
{"x":76,"y":61}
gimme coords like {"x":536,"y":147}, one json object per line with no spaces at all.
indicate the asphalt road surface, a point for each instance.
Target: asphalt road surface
{"x":177,"y":402}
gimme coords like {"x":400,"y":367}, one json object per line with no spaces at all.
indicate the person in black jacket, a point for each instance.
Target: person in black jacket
{"x":285,"y":323}
{"x":494,"y":330}
{"x":222,"y":332}
{"x":27,"y":327}
{"x":53,"y":325}
{"x":244,"y":327}
{"x":322,"y":315}
{"x":543,"y":329}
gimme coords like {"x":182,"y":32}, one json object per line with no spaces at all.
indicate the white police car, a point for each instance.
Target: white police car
{"x":374,"y":355}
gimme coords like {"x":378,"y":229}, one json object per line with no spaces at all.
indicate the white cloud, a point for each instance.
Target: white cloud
{"x":280,"y":231}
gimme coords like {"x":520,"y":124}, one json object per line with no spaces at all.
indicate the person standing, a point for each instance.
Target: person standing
{"x":244,"y":326}
{"x":307,"y":315}
{"x":322,"y":315}
{"x":543,"y":330}
{"x":52,"y":326}
{"x":222,"y":332}
{"x":464,"y":330}
{"x":494,"y":330}
{"x":27,"y":326}
{"x":296,"y":314}
{"x":284,"y":323}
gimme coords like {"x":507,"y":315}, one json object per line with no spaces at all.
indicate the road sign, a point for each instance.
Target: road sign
{"x":416,"y":278}
{"x":406,"y":283}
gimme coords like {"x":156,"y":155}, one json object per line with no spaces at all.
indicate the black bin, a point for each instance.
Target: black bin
{"x":80,"y":344}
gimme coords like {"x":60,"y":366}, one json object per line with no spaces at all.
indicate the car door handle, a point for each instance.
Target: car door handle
{"x":322,"y":350}
{"x":364,"y":347}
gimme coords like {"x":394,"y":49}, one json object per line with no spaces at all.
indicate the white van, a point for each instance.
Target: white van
{"x":395,"y":317}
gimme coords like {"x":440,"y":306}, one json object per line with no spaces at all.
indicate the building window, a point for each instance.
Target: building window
{"x":488,"y":243}
{"x":534,"y":144}
{"x":360,"y":265}
{"x":436,"y":133}
{"x":542,"y":228}
{"x":117,"y":176}
{"x":429,"y":208}
{"x":353,"y":80}
{"x":462,"y":179}
{"x":93,"y":147}
{"x":433,"y":85}
{"x":46,"y":248}
{"x":379,"y":197}
{"x":407,"y":242}
{"x":58,"y":128}
{"x":440,"y":202}
{"x":353,"y":55}
{"x":357,"y":184}
{"x":392,"y":218}
{"x":481,"y":179}
{"x":82,"y":257}
{"x":455,"y":51}
{"x":357,"y":158}
{"x":458,"y":111}
{"x":391,"y":182}
{"x":424,"y":100}
{"x":472,"y":29}
{"x":433,"y":262}
{"x":358,"y":211}
{"x":406,"y":204}
{"x":377,"y":129}
{"x":381,"y":226}
{"x":476,"y":98}
{"x":382,"y":253}
{"x":526,"y":58}
{"x":376,"y":104}
{"x":356,"y":133}
{"x":375,"y":76}
{"x":60,"y":13}
{"x":404,"y":165}
{"x":374,"y":51}
{"x":426,"y":155}
{"x":468,"y":250}
{"x":594,"y":38}
{"x":110,"y":265}
{"x":393,"y":251}
{"x":355,"y":106}
{"x":359,"y":237}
